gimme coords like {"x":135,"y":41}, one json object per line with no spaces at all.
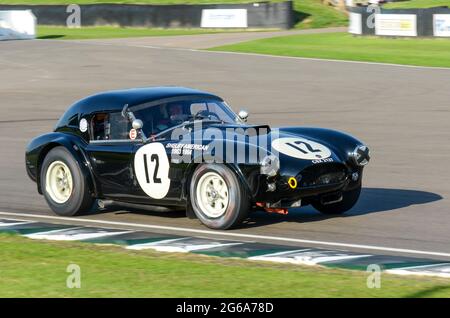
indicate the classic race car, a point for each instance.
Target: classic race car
{"x":168,"y":148}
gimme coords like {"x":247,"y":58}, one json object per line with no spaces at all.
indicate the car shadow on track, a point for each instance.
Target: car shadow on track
{"x":372,"y":200}
{"x":118,"y":210}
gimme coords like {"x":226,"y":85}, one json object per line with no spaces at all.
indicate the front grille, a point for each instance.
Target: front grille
{"x":322,"y":174}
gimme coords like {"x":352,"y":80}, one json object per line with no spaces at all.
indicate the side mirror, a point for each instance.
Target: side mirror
{"x":137,"y":124}
{"x":243,"y":115}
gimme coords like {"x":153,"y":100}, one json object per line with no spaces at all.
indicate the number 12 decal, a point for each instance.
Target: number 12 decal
{"x":301,"y":148}
{"x":151,"y":166}
{"x":154,"y":158}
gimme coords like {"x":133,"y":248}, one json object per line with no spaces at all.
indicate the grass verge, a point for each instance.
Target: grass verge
{"x":308,"y":13}
{"x":38,"y":269}
{"x":109,"y":32}
{"x":343,"y":46}
{"x":417,"y":4}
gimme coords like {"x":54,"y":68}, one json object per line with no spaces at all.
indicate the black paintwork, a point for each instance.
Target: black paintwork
{"x":110,"y":169}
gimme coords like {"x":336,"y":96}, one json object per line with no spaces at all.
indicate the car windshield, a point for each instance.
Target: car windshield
{"x":162,"y":116}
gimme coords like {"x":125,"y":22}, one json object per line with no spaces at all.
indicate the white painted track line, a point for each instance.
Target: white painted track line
{"x":229,"y":234}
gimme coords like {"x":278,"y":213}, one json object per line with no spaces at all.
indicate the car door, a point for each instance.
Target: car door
{"x":158,"y":180}
{"x":111,"y":152}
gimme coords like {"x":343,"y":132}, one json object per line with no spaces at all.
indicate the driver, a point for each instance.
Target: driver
{"x":175,"y":112}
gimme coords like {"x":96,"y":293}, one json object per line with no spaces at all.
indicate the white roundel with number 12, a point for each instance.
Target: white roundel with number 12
{"x":301,"y":148}
{"x":151,"y":166}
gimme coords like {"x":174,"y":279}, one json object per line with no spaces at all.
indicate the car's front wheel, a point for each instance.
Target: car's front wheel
{"x":349,"y":199}
{"x":218,"y":199}
{"x":63,"y":184}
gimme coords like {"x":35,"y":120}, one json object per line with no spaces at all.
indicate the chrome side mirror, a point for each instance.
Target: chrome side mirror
{"x":243,"y":115}
{"x":137,"y":124}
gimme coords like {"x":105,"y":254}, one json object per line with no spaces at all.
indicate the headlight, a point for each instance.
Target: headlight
{"x":270,"y":165}
{"x":361,"y":155}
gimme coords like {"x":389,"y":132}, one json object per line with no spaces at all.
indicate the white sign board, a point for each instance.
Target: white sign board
{"x":17,"y":25}
{"x":349,"y":3}
{"x":396,"y":24}
{"x":441,"y":24}
{"x":355,"y":26}
{"x":224,"y":18}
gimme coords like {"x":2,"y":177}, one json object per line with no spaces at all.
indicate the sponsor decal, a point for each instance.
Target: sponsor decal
{"x":322,"y":160}
{"x":441,"y":24}
{"x":396,"y":24}
{"x":133,"y":134}
{"x":151,"y":166}
{"x":186,"y":149}
{"x":83,"y":125}
{"x":301,"y":148}
{"x":224,"y":18}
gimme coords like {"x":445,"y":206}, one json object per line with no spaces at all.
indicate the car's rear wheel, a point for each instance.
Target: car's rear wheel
{"x":349,"y":199}
{"x":63,"y":184}
{"x":218,"y":199}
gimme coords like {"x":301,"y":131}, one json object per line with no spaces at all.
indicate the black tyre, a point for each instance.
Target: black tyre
{"x":349,"y":199}
{"x":64,"y":185}
{"x":217,"y":197}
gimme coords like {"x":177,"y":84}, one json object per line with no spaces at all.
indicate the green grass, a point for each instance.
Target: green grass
{"x":418,"y":4}
{"x":38,"y":269}
{"x":343,"y":46}
{"x":309,"y":13}
{"x":107,"y":32}
{"x":313,"y":14}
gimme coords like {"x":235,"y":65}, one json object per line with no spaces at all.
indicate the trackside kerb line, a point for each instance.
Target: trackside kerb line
{"x":235,"y":235}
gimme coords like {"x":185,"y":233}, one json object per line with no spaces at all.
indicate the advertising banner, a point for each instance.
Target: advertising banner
{"x":396,"y":24}
{"x":441,"y":24}
{"x":224,"y":18}
{"x":355,"y":24}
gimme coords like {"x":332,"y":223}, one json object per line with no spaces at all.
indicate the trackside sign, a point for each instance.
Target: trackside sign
{"x":17,"y":25}
{"x":441,"y":24}
{"x":224,"y":18}
{"x":355,"y":26}
{"x":396,"y":24}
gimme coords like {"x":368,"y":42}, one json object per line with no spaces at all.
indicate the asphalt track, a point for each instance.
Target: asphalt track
{"x":402,"y":113}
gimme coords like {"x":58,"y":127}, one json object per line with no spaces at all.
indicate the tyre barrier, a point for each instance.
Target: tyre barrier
{"x":373,"y":20}
{"x":278,"y":15}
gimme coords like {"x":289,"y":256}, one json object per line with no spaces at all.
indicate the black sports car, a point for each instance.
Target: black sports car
{"x":171,"y":147}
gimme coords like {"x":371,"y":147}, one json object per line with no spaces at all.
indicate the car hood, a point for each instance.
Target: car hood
{"x":296,"y":147}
